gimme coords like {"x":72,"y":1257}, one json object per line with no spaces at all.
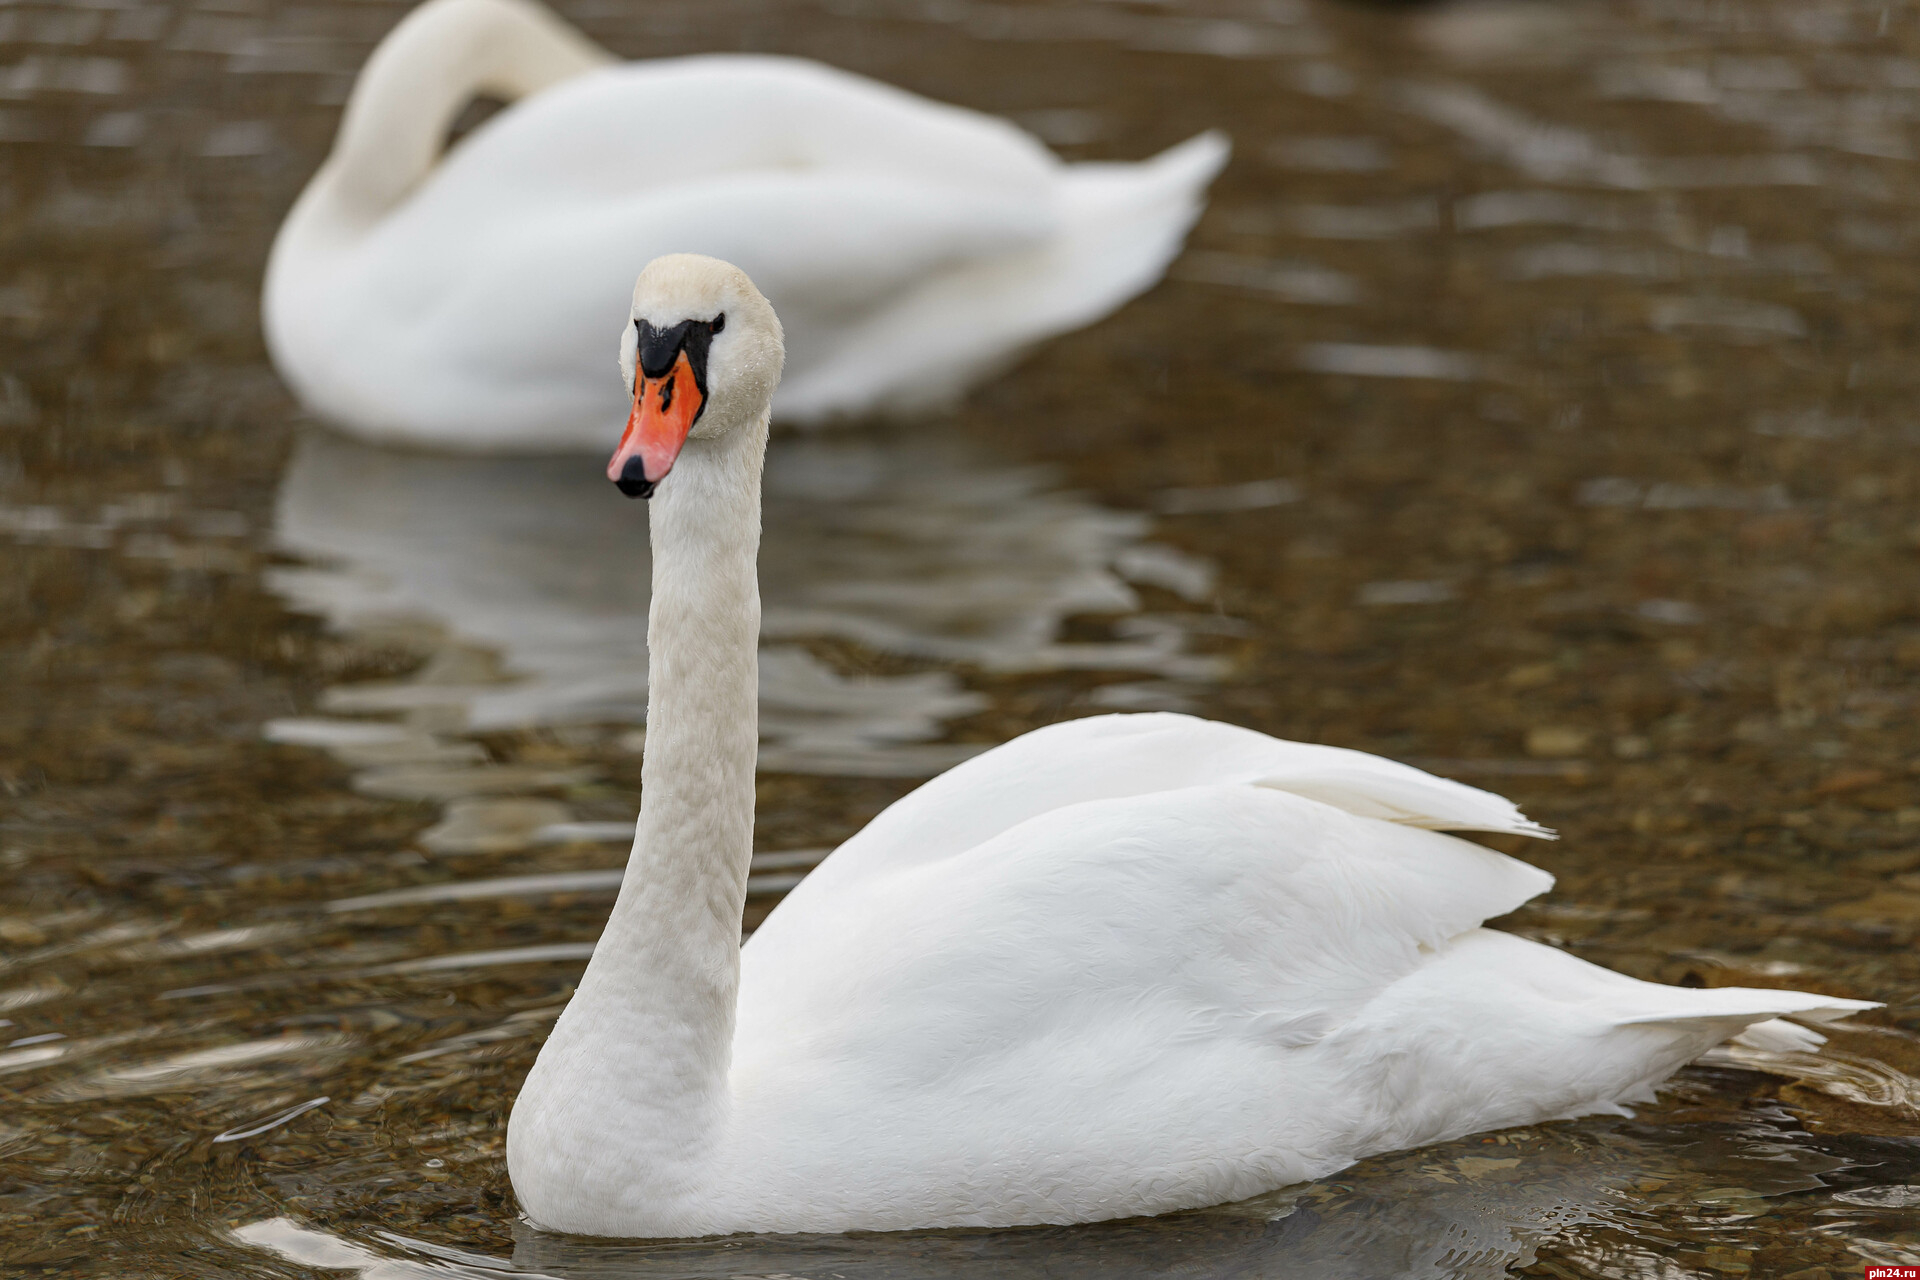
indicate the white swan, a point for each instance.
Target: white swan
{"x":457,"y":301}
{"x":1117,"y":966}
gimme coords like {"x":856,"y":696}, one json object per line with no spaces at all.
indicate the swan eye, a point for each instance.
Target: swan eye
{"x":719,"y":322}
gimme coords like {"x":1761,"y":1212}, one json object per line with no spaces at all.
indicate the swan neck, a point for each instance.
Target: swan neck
{"x":695,"y":835}
{"x":440,"y":57}
{"x":648,"y":1037}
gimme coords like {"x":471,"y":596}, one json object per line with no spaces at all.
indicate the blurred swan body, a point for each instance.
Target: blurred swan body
{"x":1117,"y":966}
{"x":461,"y":300}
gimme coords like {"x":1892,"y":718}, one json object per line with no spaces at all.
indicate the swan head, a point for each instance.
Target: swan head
{"x":701,"y":354}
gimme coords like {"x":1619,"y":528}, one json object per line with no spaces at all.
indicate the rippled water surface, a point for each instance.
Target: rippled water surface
{"x":1539,"y":401}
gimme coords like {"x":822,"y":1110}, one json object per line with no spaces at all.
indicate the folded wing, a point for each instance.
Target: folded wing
{"x":1110,"y":757}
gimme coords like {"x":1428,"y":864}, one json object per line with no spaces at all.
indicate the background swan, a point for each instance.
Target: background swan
{"x":459,"y":300}
{"x":1116,"y":966}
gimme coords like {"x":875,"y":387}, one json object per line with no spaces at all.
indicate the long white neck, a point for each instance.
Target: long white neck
{"x":640,"y":1057}
{"x":429,"y":67}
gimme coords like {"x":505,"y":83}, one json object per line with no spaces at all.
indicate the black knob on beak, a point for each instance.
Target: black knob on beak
{"x":633,"y":479}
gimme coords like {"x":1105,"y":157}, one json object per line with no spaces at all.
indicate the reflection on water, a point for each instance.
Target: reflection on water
{"x":1538,"y":402}
{"x":529,"y":578}
{"x":1469,"y":1210}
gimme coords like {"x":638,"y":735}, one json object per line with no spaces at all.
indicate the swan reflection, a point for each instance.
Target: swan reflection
{"x":1386,"y":1220}
{"x":1472,"y":1209}
{"x":524,"y":579}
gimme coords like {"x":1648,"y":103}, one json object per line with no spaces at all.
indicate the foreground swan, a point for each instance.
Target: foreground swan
{"x":459,"y":301}
{"x":1117,"y":966}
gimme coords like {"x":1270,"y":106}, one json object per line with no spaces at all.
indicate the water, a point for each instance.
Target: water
{"x":899,"y":542}
{"x":1536,"y":403}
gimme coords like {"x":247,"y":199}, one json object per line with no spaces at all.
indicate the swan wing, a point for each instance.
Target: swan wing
{"x":1113,"y":756}
{"x":1248,"y":891}
{"x":1167,"y":999}
{"x":1120,"y":983}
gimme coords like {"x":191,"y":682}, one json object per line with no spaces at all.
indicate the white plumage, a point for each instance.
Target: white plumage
{"x":1180,"y":992}
{"x":1117,"y":966}
{"x":462,"y":300}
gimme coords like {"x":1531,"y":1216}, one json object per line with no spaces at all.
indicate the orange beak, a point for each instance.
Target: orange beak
{"x":663,"y":412}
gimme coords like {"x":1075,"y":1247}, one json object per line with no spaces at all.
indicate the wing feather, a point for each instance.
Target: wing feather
{"x":1269,"y":917}
{"x":1115,"y":756}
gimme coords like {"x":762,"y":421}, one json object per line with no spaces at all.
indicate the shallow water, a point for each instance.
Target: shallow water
{"x":1537,"y":403}
{"x":898,"y":541}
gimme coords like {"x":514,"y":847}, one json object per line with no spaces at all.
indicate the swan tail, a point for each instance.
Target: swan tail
{"x":1116,"y":229}
{"x":1686,"y":1024}
{"x":1124,"y":224}
{"x":1496,"y":1031}
{"x":1750,"y":1016}
{"x":1733,"y":1026}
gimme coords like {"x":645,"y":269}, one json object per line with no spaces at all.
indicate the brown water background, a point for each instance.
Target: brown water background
{"x":1537,"y":403}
